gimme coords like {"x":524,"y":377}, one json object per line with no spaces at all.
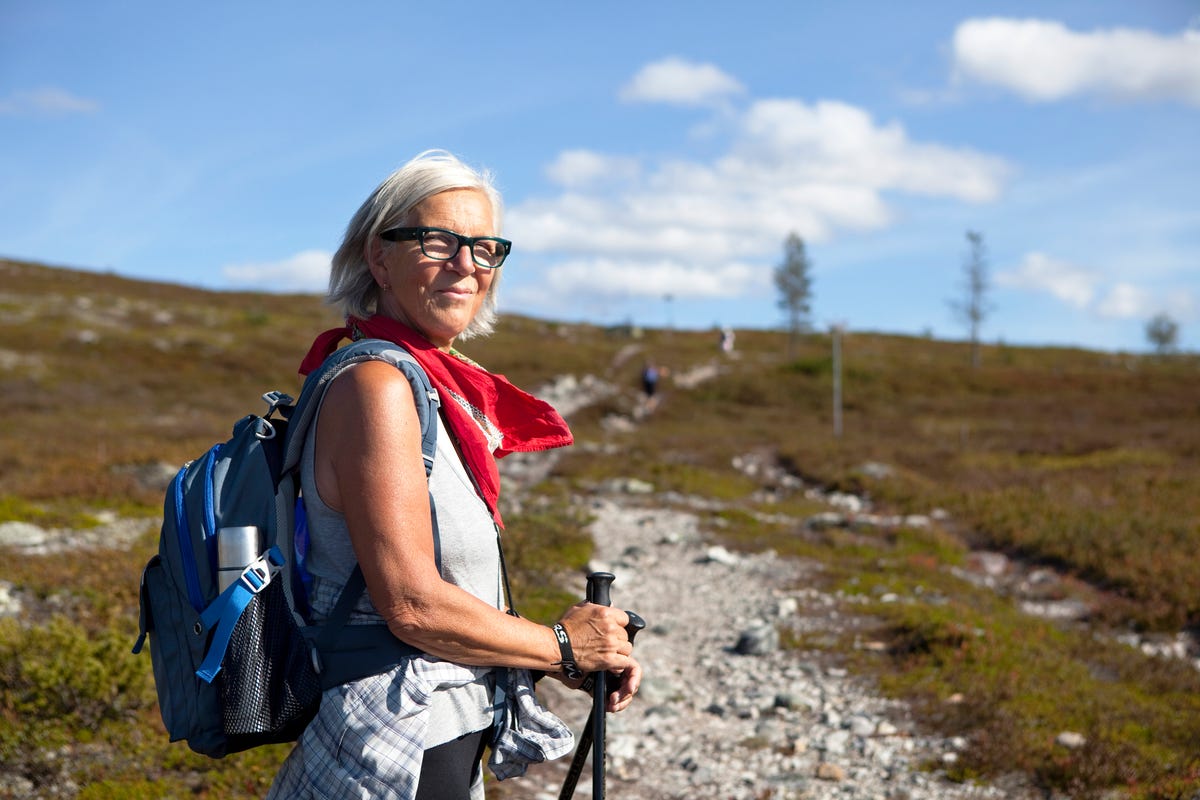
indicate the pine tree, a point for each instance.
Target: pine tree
{"x":974,"y":307}
{"x":794,"y":282}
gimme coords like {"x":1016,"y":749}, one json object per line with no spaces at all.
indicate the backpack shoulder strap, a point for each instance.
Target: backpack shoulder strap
{"x":326,"y":636}
{"x":426,"y":397}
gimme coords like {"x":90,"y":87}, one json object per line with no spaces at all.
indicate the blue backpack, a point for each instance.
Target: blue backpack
{"x":245,"y":666}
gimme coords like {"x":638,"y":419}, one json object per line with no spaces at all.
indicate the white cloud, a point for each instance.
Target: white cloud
{"x":694,"y":227}
{"x":836,"y":142}
{"x":1092,"y":291}
{"x":1043,"y":60}
{"x":580,"y":168}
{"x":1038,"y":272}
{"x":46,"y":101}
{"x":1126,"y":301}
{"x":680,"y":82}
{"x":655,"y":279}
{"x":307,"y":271}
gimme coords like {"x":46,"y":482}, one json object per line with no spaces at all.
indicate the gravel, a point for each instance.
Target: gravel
{"x":724,"y":712}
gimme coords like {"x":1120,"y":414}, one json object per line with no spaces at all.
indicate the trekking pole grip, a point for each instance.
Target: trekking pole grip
{"x":636,"y":623}
{"x":598,"y":586}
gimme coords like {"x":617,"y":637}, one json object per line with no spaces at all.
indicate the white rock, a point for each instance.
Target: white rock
{"x":837,"y":742}
{"x":22,"y":535}
{"x":861,"y":726}
{"x":719,"y":555}
{"x":10,"y":603}
{"x":1071,"y":740}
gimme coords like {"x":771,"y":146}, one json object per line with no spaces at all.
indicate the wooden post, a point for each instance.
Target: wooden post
{"x":836,"y":330}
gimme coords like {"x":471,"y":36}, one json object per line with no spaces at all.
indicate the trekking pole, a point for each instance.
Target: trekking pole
{"x":598,"y":585}
{"x":593,"y":731}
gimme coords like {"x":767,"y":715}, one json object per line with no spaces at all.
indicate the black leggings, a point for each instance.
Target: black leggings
{"x":448,"y":770}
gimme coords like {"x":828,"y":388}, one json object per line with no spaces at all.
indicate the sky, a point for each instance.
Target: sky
{"x":653,"y":156}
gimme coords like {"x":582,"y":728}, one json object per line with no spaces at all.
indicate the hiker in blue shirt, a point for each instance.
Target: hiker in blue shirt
{"x":651,"y":373}
{"x":418,"y":266}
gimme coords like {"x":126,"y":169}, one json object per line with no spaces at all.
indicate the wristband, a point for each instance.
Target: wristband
{"x":569,"y":667}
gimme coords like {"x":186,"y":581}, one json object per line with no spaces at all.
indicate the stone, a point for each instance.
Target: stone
{"x":837,"y":742}
{"x":1070,"y":740}
{"x":719,"y":555}
{"x":830,"y":772}
{"x":861,"y":726}
{"x":760,"y":640}
{"x":24,"y":535}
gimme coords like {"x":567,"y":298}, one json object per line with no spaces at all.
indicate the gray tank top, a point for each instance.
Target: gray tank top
{"x":468,"y":557}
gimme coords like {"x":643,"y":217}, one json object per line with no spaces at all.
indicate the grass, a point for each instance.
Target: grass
{"x":1079,"y":460}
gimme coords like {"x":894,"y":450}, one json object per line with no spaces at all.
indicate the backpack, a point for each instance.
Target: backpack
{"x":245,"y":666}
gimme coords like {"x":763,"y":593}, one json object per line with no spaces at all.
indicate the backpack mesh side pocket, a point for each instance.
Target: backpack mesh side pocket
{"x":270,"y":690}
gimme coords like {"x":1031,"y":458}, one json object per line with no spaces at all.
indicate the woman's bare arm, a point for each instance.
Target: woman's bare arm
{"x":369,"y":467}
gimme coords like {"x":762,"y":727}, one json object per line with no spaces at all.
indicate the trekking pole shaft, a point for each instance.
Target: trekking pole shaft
{"x":636,"y":623}
{"x":598,"y":584}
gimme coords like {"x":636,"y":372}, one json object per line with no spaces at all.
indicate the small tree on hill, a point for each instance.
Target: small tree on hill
{"x":794,"y":282}
{"x":973,"y":308}
{"x":1163,"y":333}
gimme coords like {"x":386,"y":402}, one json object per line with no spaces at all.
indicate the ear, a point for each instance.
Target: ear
{"x":375,"y":261}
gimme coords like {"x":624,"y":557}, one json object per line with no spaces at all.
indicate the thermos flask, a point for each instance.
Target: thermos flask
{"x":237,"y":548}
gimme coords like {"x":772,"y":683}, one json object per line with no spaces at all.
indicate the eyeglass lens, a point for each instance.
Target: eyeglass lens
{"x":444,"y":246}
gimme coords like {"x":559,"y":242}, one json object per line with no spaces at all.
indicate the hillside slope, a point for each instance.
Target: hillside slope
{"x":955,"y":502}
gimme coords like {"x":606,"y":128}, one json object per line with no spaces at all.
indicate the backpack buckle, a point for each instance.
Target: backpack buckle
{"x":275,"y":399}
{"x":256,"y":576}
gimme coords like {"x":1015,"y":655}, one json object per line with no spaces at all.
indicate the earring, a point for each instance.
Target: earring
{"x":387,"y":287}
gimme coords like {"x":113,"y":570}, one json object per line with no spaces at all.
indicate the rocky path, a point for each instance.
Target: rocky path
{"x":725,"y":713}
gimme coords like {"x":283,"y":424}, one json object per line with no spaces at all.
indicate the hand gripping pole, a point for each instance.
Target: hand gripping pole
{"x":592,"y":738}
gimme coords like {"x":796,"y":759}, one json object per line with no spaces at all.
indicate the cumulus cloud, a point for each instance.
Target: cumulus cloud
{"x":655,"y":279}
{"x":691,"y":228}
{"x":577,"y":168}
{"x":46,"y":101}
{"x":836,"y":142}
{"x":1044,"y":60}
{"x":1038,"y":272}
{"x":306,"y":271}
{"x":679,"y":82}
{"x":1092,"y":291}
{"x":1126,"y":301}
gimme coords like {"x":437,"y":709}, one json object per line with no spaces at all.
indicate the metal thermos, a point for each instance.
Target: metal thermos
{"x":237,"y":548}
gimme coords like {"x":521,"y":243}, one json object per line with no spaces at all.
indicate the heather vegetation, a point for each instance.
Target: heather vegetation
{"x":1079,"y":461}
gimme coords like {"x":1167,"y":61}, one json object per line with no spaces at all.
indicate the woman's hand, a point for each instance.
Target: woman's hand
{"x":600,"y":641}
{"x":598,"y":637}
{"x":630,"y":679}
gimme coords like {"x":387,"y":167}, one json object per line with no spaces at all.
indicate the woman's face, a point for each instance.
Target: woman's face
{"x":436,"y":298}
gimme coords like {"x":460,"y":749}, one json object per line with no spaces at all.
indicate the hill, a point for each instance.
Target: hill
{"x":1069,"y":475}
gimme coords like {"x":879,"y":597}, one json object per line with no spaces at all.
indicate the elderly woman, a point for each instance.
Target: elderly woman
{"x":419,"y":266}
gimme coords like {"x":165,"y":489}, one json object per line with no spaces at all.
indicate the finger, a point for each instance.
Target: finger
{"x":630,"y":682}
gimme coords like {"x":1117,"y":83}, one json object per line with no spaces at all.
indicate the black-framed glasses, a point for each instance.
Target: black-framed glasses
{"x":440,"y":244}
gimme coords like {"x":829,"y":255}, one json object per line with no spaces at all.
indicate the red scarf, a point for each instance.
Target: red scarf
{"x":525,"y":424}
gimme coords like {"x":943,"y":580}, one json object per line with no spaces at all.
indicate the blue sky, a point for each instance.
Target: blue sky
{"x":653,"y":156}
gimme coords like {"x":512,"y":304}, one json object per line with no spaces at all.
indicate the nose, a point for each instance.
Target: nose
{"x":463,"y":262}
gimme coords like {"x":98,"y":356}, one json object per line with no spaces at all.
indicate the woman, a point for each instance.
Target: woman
{"x":419,"y":265}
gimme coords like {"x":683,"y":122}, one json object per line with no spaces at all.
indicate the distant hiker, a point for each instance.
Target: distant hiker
{"x":651,"y":372}
{"x":418,"y":266}
{"x":726,"y":341}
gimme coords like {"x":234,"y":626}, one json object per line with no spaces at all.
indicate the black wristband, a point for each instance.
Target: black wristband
{"x":569,"y":667}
